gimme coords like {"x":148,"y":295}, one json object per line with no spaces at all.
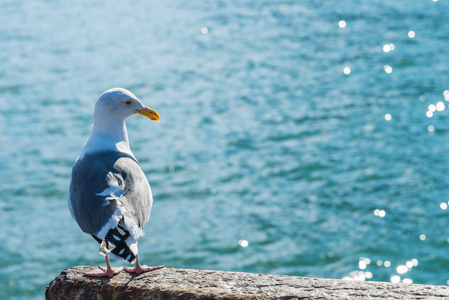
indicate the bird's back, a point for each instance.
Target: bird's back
{"x":107,"y":187}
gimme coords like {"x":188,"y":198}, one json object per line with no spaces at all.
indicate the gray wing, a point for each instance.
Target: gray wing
{"x":108,"y":188}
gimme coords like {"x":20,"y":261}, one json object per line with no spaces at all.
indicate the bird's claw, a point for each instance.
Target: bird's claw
{"x":104,"y":272}
{"x":142,"y":269}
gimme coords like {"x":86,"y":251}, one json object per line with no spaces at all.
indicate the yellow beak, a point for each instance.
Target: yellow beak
{"x":149,"y":113}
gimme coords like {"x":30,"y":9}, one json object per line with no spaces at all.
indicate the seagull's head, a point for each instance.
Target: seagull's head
{"x":120,"y":104}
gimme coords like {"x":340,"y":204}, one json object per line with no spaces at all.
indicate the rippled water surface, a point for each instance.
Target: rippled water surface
{"x":290,"y":142}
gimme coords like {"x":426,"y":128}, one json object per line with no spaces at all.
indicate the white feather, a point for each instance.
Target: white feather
{"x":111,"y":224}
{"x":114,"y":189}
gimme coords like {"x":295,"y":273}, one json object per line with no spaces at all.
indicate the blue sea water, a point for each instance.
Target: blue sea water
{"x":289,"y":143}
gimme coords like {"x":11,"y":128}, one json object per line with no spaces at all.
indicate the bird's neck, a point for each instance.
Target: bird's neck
{"x":107,"y":135}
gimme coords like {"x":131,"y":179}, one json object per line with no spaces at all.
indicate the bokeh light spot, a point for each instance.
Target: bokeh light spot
{"x":243,"y":243}
{"x":402,"y":269}
{"x":388,"y":69}
{"x":395,"y":279}
{"x":388,"y":47}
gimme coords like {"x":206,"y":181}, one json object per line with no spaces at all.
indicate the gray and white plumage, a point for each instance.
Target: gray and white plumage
{"x":110,"y":197}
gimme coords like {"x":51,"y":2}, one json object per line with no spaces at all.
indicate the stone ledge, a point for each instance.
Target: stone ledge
{"x":171,"y":283}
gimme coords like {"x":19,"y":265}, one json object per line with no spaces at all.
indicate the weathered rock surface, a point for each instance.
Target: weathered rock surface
{"x":196,"y":284}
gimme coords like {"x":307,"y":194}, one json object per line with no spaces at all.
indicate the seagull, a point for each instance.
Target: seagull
{"x":109,"y":196}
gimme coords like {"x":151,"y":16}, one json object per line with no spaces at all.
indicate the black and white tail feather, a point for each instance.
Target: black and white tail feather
{"x":115,"y":242}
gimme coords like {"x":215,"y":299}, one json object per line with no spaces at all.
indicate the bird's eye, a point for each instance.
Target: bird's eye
{"x":128,"y":102}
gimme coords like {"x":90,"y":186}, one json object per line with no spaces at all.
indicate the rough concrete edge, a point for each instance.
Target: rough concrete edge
{"x":104,"y":288}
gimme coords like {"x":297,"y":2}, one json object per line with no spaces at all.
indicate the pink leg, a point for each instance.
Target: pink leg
{"x":141,"y":269}
{"x":103,"y":272}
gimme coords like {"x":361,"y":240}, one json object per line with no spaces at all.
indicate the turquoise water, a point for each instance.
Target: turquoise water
{"x":269,"y":158}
